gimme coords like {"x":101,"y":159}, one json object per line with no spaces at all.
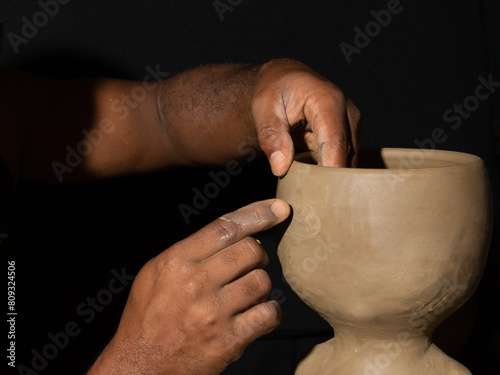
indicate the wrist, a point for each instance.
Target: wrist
{"x":116,"y":361}
{"x":206,"y":112}
{"x":167,"y":125}
{"x":104,"y":365}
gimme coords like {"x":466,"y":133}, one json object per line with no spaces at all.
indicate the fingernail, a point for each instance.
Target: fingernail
{"x":277,"y":159}
{"x":279,"y":208}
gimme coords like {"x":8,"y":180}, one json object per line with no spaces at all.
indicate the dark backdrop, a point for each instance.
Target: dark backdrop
{"x":70,"y":240}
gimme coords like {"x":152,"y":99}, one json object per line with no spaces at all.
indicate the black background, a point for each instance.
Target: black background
{"x":67,"y":238}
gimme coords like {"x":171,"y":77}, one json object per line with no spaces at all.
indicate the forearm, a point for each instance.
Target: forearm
{"x":91,"y":128}
{"x":82,"y":129}
{"x":207,"y":112}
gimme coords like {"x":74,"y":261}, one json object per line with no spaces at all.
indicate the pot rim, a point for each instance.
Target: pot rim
{"x":411,"y":160}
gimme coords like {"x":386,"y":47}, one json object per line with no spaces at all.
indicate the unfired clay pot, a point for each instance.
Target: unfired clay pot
{"x":384,"y":254}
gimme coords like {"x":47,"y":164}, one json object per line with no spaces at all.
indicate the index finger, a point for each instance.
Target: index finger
{"x":330,"y":125}
{"x":233,"y":227}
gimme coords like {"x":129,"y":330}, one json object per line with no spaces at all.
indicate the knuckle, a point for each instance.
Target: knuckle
{"x":247,"y":250}
{"x":152,"y":266}
{"x":264,"y":281}
{"x":331,"y":94}
{"x":225,"y":228}
{"x":162,"y":262}
{"x":264,"y":317}
{"x":267,"y":314}
{"x":253,"y":251}
{"x":246,"y":220}
{"x":208,"y":317}
{"x":194,"y":286}
{"x":338,"y":97}
{"x":269,"y":136}
{"x":327,"y":101}
{"x":339,"y":143}
{"x":270,"y":316}
{"x":169,"y":261}
{"x":252,"y":248}
{"x":259,"y":284}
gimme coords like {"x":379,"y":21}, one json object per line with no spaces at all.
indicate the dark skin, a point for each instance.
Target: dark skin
{"x":196,"y":306}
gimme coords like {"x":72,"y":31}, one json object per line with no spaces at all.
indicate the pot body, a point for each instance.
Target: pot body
{"x":393,"y":248}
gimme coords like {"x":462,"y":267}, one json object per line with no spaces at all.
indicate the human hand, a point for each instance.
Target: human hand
{"x":195,"y":307}
{"x":293,"y":103}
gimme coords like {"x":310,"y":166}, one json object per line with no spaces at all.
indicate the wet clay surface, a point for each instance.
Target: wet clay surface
{"x":384,"y":254}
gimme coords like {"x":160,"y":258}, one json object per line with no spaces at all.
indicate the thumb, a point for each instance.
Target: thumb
{"x":273,"y":132}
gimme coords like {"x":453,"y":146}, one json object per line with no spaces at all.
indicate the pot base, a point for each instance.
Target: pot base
{"x":379,"y":357}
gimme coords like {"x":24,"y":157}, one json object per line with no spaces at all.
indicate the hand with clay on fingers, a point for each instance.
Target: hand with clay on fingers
{"x":210,"y":112}
{"x":291,"y":101}
{"x":195,"y":307}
